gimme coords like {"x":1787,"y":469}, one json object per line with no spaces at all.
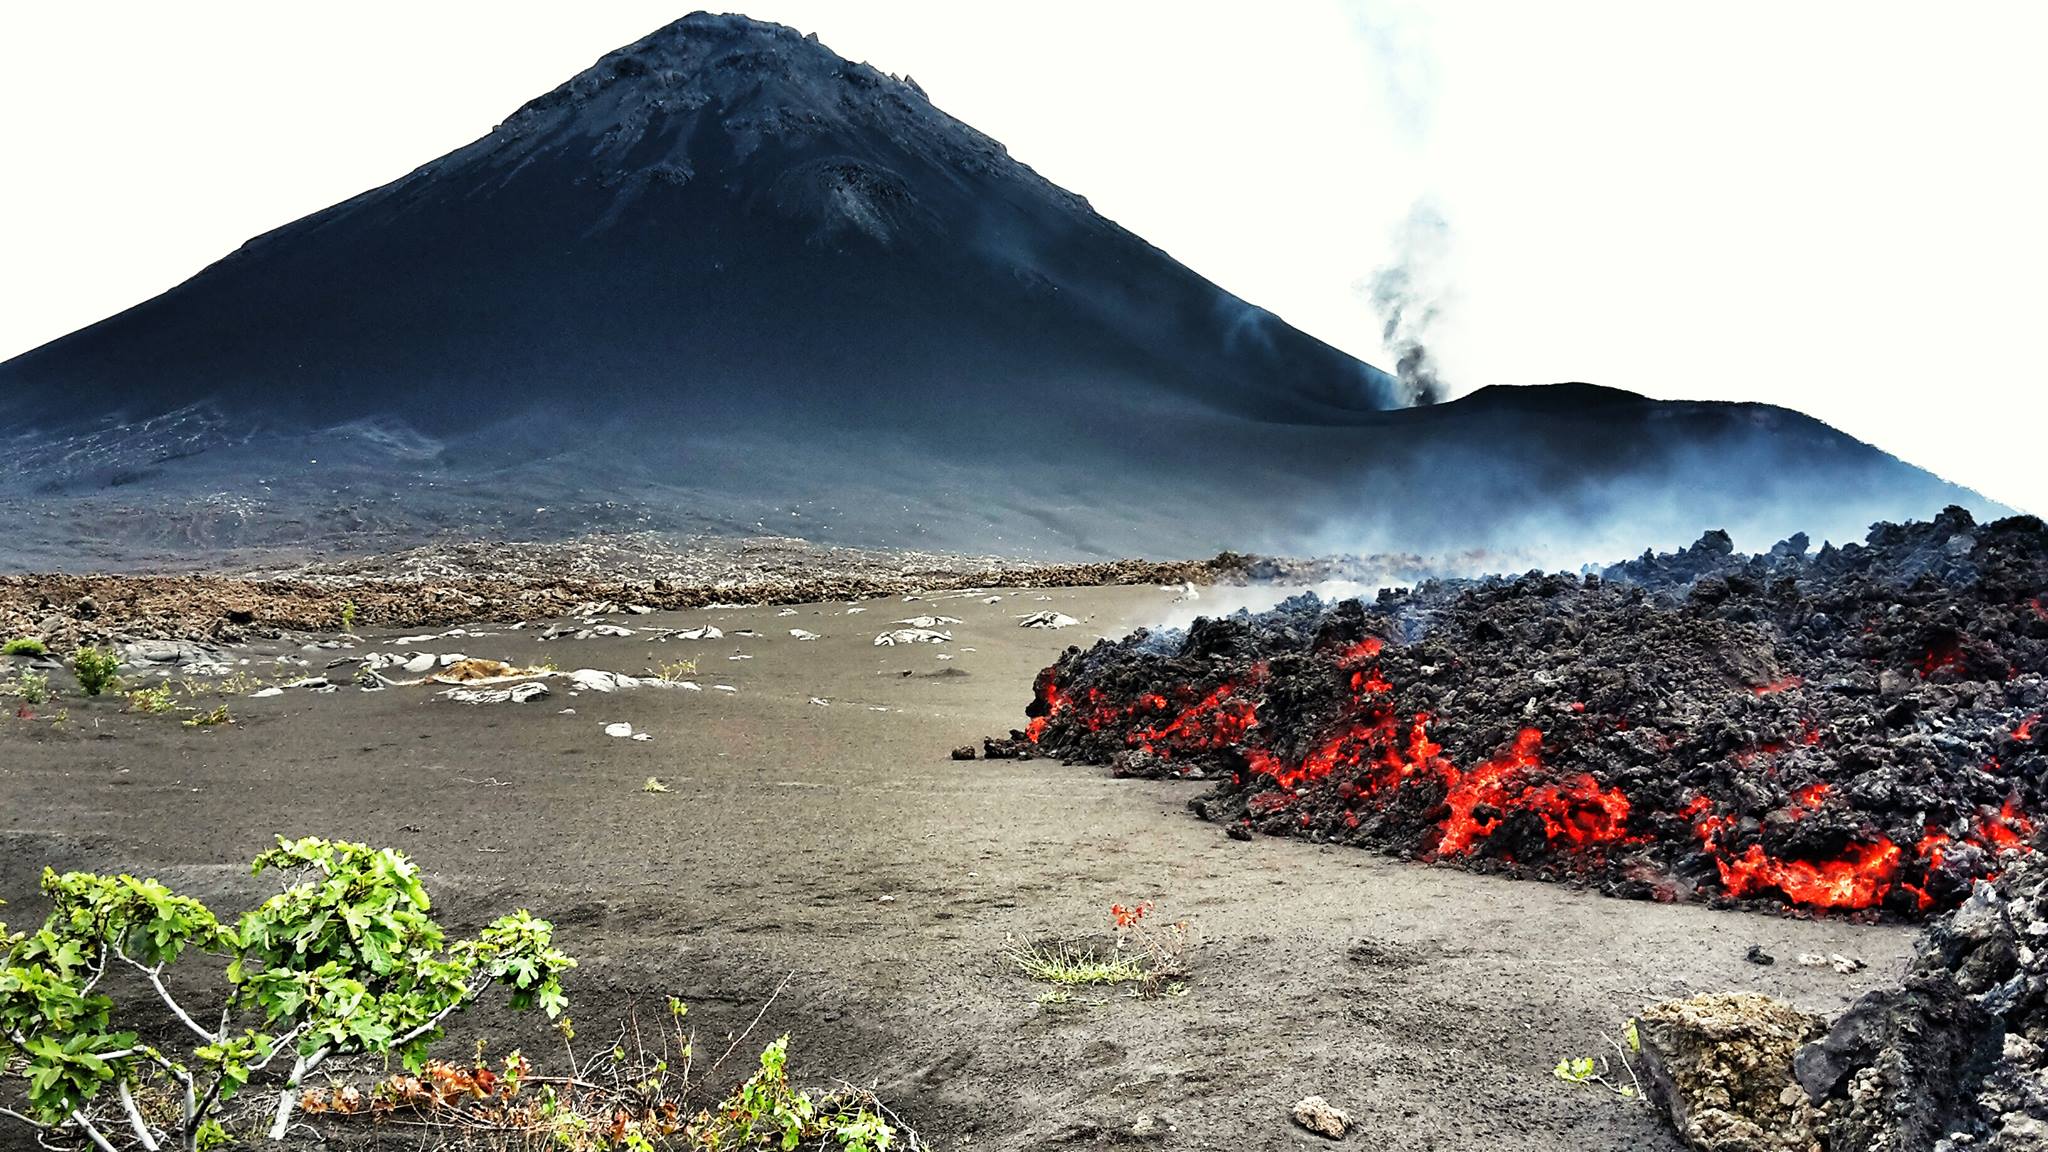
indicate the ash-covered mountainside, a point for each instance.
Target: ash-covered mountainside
{"x":1862,"y":729}
{"x":725,"y":279}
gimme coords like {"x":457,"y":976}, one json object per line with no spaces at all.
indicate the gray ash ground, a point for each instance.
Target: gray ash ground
{"x":1854,"y":731}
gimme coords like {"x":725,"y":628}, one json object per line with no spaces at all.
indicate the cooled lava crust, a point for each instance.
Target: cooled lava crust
{"x":1856,"y":731}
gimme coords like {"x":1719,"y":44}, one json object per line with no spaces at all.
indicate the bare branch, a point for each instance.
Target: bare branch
{"x":93,"y":1133}
{"x":434,"y":1022}
{"x":280,"y":1044}
{"x":742,"y":1037}
{"x":99,"y":969}
{"x":135,"y":1120}
{"x":156,"y":980}
{"x":287,"y":1096}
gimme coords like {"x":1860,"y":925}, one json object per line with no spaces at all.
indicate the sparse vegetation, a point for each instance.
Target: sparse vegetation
{"x":346,"y":963}
{"x":33,"y":687}
{"x":210,"y":719}
{"x":1071,"y":966}
{"x":1591,"y":1070}
{"x":24,"y":646}
{"x":1148,"y":957}
{"x":675,"y":671}
{"x":97,"y":669}
{"x":629,"y":1096}
{"x":1161,"y":948}
{"x":155,"y":701}
{"x":348,"y":616}
{"x":654,"y":784}
{"x":240,"y":683}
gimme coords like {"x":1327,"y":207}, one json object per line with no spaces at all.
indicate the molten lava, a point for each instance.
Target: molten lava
{"x":1370,"y":752}
{"x":1858,"y":878}
{"x":1610,"y":730}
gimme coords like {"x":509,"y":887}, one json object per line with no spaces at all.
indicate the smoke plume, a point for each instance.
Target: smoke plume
{"x":1409,"y":295}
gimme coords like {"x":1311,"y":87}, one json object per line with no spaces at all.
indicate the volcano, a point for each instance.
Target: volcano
{"x":725,"y":280}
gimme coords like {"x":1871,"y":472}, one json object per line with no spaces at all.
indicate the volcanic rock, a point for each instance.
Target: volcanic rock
{"x":1904,"y":1065}
{"x":1720,"y":1065}
{"x":1625,"y":730}
{"x":1957,"y":1056}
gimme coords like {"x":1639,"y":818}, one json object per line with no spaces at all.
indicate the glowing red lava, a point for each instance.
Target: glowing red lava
{"x":1947,"y":654}
{"x":1371,"y":751}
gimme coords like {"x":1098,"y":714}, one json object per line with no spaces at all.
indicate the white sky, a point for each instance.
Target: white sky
{"x":1833,"y":206}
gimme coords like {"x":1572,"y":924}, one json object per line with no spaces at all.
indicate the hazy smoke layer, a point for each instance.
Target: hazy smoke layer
{"x":1409,"y":296}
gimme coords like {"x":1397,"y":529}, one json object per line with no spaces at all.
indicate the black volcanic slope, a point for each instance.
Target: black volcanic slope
{"x":726,"y":280}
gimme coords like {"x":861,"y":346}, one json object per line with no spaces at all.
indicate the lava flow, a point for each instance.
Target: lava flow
{"x":1605,"y":729}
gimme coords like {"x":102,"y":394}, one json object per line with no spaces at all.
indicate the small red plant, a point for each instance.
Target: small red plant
{"x":1128,"y":915}
{"x":1161,"y":949}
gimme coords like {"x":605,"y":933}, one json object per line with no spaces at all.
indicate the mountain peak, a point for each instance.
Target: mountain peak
{"x":724,"y":279}
{"x":791,"y":80}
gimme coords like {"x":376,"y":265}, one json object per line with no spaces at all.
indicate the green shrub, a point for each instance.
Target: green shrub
{"x":767,"y":1112}
{"x":155,"y":701}
{"x":347,"y":962}
{"x":211,"y":719}
{"x":96,"y":669}
{"x":23,"y":646}
{"x":32,"y":687}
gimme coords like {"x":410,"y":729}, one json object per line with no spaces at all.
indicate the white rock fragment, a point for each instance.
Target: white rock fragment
{"x":821,"y":702}
{"x":1046,"y":619}
{"x":517,"y":694}
{"x":723,"y":688}
{"x":929,"y":621}
{"x":598,"y":680}
{"x":261,"y":693}
{"x":700,"y":632}
{"x":1322,"y":1118}
{"x":787,"y":612}
{"x":622,"y":730}
{"x":801,"y":634}
{"x":912,"y":636}
{"x":992,"y":600}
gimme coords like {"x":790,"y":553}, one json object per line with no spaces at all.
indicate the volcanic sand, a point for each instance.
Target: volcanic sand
{"x":1429,"y":1002}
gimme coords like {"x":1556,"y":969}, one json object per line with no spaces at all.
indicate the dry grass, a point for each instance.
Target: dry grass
{"x":1070,"y":966}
